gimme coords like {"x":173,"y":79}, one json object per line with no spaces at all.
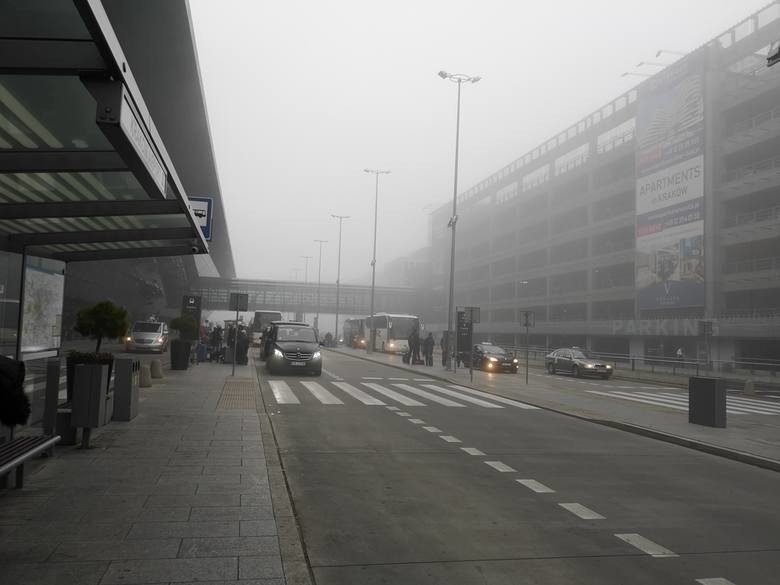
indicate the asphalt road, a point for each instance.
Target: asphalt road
{"x":397,"y":482}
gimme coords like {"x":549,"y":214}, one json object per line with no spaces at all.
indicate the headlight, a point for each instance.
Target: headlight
{"x":128,"y":339}
{"x":490,"y":364}
{"x":278,"y":353}
{"x":362,"y":342}
{"x":493,"y":359}
{"x":589,"y":366}
{"x":609,"y":367}
{"x":514,"y":361}
{"x":316,"y":355}
{"x":391,"y":344}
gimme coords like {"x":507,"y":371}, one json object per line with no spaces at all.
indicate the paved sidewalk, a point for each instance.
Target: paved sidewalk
{"x":178,"y":495}
{"x":752,"y":439}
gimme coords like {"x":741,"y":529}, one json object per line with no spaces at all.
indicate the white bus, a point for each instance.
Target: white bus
{"x":392,"y":331}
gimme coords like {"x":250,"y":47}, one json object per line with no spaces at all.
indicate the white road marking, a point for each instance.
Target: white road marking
{"x":403,"y":414}
{"x":582,"y":511}
{"x":535,"y":486}
{"x":432,"y":430}
{"x":463,"y":397}
{"x":472,"y":451}
{"x":422,"y":380}
{"x":417,"y":421}
{"x":495,"y":398}
{"x":450,"y":439}
{"x":612,"y":395}
{"x":402,"y":379}
{"x":392,"y":394}
{"x":646,"y":546}
{"x":282,"y":392}
{"x":392,"y":408}
{"x":371,"y":378}
{"x":714,"y":581}
{"x":358,"y":394}
{"x":331,"y":374}
{"x":429,"y":396}
{"x":320,"y":393}
{"x":502,"y":467}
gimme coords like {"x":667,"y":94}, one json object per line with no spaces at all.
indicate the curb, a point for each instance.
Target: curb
{"x":741,"y":456}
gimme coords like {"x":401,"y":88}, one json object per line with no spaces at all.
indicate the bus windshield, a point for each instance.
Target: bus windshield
{"x":402,"y":327}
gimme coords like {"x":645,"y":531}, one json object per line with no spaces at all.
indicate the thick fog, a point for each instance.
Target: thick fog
{"x":302,"y":96}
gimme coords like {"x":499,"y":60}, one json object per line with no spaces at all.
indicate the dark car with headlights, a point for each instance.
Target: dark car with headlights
{"x":492,"y":358}
{"x":574,"y":361}
{"x":292,"y":347}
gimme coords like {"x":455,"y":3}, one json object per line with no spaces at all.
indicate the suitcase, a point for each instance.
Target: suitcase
{"x":405,"y":358}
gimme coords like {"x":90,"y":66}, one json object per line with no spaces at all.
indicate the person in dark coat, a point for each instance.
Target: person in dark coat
{"x":444,"y":348}
{"x":414,"y":347}
{"x":428,"y":344}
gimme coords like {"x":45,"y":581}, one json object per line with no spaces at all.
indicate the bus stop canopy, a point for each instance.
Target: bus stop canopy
{"x":84,"y":174}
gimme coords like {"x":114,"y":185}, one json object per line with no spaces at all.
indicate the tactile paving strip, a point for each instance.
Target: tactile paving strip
{"x":238,"y":394}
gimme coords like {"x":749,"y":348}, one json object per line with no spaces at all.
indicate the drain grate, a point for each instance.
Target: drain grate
{"x":238,"y":394}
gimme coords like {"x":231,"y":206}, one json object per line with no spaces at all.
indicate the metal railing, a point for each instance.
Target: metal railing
{"x":753,"y":169}
{"x":755,"y":121}
{"x":752,"y":265}
{"x":750,"y":217}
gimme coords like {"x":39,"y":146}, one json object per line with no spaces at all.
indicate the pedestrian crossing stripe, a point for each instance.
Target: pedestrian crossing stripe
{"x":452,"y":397}
{"x":675,"y":401}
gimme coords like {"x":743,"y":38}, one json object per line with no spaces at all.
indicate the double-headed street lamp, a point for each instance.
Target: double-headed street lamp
{"x":372,"y":331}
{"x":319,"y":282}
{"x":341,"y":219}
{"x":305,"y":277}
{"x":458,"y":78}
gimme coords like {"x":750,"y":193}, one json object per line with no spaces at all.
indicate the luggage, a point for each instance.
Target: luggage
{"x":419,"y":362}
{"x":405,"y":358}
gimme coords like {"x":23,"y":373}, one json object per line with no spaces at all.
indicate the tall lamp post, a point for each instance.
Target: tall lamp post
{"x":305,"y":279}
{"x":458,"y":78}
{"x":341,"y":219}
{"x":319,"y":282}
{"x":372,"y":333}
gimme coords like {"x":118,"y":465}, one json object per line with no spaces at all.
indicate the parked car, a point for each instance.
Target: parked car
{"x":492,"y":358}
{"x":573,"y":361}
{"x":293,"y":347}
{"x":147,"y":336}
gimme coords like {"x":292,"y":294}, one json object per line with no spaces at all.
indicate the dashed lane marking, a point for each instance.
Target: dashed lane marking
{"x":428,"y":395}
{"x":331,"y":374}
{"x":450,"y":439}
{"x":714,"y":581}
{"x":371,"y":378}
{"x":392,"y":394}
{"x":282,"y":392}
{"x":401,"y":379}
{"x":433,"y":429}
{"x":647,"y":546}
{"x":417,"y":421}
{"x":392,"y":408}
{"x":403,"y":414}
{"x":358,"y":394}
{"x":472,"y":451}
{"x":582,"y":511}
{"x":535,"y":486}
{"x":320,"y":393}
{"x":502,"y":467}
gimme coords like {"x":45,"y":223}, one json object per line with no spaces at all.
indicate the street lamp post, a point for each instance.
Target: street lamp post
{"x":372,"y":331}
{"x":319,"y":282}
{"x":458,"y":78}
{"x":305,"y":280}
{"x":341,"y":219}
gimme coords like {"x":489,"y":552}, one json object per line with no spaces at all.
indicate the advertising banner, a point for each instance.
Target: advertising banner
{"x":670,"y":189}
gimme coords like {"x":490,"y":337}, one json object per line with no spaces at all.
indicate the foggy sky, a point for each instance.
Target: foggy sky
{"x":302,"y":96}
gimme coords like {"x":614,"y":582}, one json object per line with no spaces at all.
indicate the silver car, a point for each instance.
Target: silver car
{"x":147,"y":336}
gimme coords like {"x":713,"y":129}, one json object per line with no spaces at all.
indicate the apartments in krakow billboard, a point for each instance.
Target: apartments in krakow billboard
{"x":670,"y":189}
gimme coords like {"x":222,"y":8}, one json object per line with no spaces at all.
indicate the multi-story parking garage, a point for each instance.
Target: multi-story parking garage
{"x":627,"y":229}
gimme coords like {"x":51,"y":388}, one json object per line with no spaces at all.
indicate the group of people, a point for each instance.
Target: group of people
{"x":426,"y":345}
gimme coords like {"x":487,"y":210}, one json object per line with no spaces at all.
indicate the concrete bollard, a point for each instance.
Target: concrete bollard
{"x":145,"y":377}
{"x":750,"y":388}
{"x":156,"y":369}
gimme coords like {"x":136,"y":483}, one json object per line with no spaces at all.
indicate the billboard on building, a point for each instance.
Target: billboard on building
{"x":670,"y":189}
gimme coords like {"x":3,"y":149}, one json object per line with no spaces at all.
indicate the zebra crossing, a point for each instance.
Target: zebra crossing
{"x":678,"y":401}
{"x":339,"y":393}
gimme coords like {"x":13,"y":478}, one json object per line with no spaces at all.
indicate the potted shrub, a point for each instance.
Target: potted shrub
{"x":188,"y":328}
{"x":102,"y":320}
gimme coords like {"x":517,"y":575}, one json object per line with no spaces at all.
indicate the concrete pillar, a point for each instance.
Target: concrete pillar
{"x":145,"y":377}
{"x":155,"y":368}
{"x":636,"y":348}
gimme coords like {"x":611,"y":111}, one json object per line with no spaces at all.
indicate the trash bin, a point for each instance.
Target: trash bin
{"x":707,"y":401}
{"x":126,"y":383}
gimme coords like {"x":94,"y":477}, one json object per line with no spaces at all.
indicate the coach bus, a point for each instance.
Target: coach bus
{"x":261,"y":321}
{"x":393,"y":331}
{"x":355,"y":333}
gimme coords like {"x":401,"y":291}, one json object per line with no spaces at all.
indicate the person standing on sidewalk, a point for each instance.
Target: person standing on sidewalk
{"x":444,"y":347}
{"x":428,"y":344}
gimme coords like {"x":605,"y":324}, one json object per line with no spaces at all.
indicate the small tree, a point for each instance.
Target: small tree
{"x":101,"y":320}
{"x":187,"y":327}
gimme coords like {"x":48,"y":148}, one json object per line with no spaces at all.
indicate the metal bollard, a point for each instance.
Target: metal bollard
{"x":145,"y":377}
{"x":156,"y":369}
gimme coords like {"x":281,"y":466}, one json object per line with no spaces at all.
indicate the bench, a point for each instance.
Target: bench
{"x":14,"y":453}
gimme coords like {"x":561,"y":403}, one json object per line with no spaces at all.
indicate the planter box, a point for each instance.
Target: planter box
{"x":89,"y":396}
{"x":180,"y":354}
